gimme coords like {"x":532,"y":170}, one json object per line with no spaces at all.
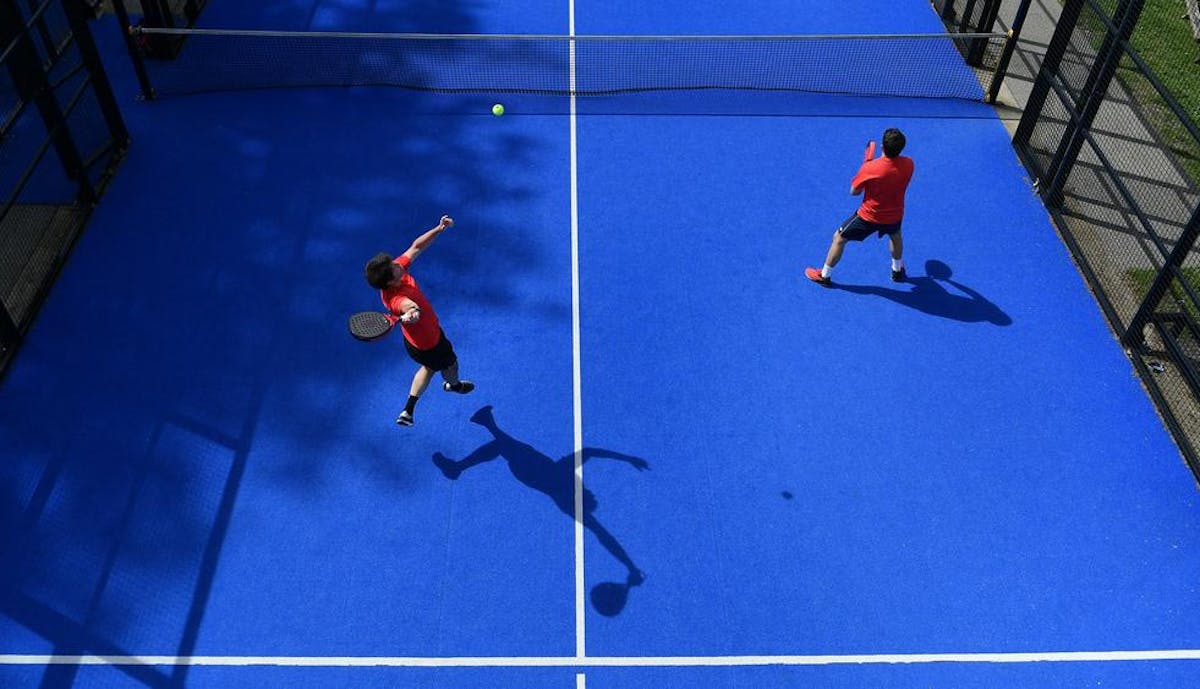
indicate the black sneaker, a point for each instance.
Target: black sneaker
{"x":462,"y":388}
{"x":405,"y":419}
{"x":899,"y":275}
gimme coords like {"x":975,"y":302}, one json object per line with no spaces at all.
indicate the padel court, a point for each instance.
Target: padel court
{"x":684,"y":464}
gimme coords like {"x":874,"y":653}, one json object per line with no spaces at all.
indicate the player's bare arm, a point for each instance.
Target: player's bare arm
{"x":422,"y":243}
{"x":409,"y":311}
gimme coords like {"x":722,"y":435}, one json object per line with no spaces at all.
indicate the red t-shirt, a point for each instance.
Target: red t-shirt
{"x":425,"y":332}
{"x":884,"y":181}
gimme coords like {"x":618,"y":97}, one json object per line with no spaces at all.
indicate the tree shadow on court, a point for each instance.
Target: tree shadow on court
{"x":556,"y":479}
{"x":929,"y":294}
{"x":124,"y":461}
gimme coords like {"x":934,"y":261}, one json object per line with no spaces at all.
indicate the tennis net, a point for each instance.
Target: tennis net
{"x":902,"y":65}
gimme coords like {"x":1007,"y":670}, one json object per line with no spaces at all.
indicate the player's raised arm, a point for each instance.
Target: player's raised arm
{"x":421,"y":243}
{"x":856,"y":185}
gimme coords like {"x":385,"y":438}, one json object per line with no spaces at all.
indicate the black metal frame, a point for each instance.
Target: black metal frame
{"x":976,"y":49}
{"x":30,"y":74}
{"x":157,"y":14}
{"x":1081,"y":109}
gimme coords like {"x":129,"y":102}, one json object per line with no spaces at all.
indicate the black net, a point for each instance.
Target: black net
{"x":917,"y":65}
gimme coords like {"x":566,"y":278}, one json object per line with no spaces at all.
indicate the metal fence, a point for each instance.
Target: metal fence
{"x":61,"y":138}
{"x":1116,"y":161}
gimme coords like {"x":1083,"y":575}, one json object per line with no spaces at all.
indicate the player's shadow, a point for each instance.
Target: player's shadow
{"x":556,"y":479}
{"x":929,"y":294}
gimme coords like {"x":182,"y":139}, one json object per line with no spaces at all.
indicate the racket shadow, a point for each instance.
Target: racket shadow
{"x":929,"y":294}
{"x":555,"y":478}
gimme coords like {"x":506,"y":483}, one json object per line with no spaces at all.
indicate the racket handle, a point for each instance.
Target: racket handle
{"x":870,"y":153}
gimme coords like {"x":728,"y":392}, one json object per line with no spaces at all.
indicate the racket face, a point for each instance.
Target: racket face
{"x":369,"y":325}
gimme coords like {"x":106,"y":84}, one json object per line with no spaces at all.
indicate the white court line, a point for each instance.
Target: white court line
{"x":576,"y":375}
{"x":613,"y":661}
{"x":581,"y":681}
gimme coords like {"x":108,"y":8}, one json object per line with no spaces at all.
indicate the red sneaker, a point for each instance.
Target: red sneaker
{"x":815,"y":275}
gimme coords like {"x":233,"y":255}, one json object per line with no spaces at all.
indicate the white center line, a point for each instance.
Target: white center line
{"x":580,"y":610}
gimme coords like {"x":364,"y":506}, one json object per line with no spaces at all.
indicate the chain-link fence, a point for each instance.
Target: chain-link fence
{"x":1117,"y":162}
{"x":61,"y":137}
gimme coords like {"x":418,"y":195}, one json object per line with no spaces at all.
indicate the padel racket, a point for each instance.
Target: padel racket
{"x":870,"y":153}
{"x":370,"y":325}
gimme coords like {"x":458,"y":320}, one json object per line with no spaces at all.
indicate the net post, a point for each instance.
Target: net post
{"x":987,"y":20}
{"x":964,"y":25}
{"x":192,"y":8}
{"x":135,"y":54}
{"x":157,"y":14}
{"x":78,"y":15}
{"x":1010,"y":46}
{"x":947,"y":13}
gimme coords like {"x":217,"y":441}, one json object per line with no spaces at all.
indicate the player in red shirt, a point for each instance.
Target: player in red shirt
{"x":882,"y":182}
{"x":423,"y":336}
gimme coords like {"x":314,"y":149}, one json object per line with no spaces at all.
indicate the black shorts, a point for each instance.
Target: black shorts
{"x":440,"y":357}
{"x":855,"y":229}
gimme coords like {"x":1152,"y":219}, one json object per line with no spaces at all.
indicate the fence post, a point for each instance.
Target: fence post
{"x":29,"y":78}
{"x":1048,"y":71}
{"x":1134,"y":335}
{"x":135,"y":54}
{"x":1093,"y":94}
{"x":1010,"y":46}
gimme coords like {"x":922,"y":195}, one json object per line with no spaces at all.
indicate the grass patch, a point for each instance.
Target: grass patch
{"x":1140,"y":280}
{"x":1163,"y":38}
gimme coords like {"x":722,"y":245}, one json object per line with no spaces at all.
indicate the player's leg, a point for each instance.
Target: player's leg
{"x":448,"y":365}
{"x":452,"y":382}
{"x":896,"y":247}
{"x":452,"y":469}
{"x":836,"y":247}
{"x":854,"y":229}
{"x":420,"y":381}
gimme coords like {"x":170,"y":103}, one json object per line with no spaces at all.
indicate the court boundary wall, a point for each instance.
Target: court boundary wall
{"x":1116,"y":162}
{"x":63,"y":138}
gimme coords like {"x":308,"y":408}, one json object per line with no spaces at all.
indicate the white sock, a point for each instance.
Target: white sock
{"x":897,"y":264}
{"x":826,"y":270}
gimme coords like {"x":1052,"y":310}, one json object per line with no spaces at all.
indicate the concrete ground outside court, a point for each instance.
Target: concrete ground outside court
{"x":1110,"y":238}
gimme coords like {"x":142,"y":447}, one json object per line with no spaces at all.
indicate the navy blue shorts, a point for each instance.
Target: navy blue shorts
{"x":855,"y":229}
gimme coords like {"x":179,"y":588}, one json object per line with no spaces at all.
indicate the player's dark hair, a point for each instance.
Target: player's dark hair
{"x":379,"y":271}
{"x":893,"y":142}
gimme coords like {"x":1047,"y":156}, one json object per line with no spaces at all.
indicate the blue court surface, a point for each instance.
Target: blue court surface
{"x":951,"y":482}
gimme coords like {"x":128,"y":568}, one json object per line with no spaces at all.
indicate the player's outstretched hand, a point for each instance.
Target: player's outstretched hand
{"x":447,"y":221}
